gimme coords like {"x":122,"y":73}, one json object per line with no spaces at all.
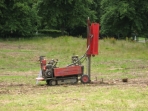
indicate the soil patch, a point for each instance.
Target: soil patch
{"x":17,"y":88}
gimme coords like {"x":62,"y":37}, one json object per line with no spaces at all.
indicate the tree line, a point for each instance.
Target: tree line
{"x":116,"y":17}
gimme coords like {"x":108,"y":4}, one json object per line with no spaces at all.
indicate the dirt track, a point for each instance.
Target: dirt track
{"x":16,"y":88}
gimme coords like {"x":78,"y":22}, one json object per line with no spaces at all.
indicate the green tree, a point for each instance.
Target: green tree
{"x":124,"y":17}
{"x":17,"y":18}
{"x":65,"y":14}
{"x":97,"y":8}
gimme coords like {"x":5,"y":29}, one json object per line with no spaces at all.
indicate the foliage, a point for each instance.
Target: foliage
{"x":65,"y":14}
{"x":96,"y":7}
{"x":52,"y":33}
{"x":18,"y":18}
{"x":124,"y":17}
{"x":117,"y":18}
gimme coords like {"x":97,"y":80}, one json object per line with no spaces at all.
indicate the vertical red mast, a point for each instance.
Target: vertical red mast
{"x":92,"y":42}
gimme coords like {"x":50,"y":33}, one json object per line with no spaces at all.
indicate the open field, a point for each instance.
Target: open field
{"x":19,"y":66}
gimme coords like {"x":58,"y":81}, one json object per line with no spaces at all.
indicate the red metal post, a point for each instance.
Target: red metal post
{"x":92,"y":43}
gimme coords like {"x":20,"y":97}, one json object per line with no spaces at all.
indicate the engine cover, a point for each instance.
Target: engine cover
{"x":49,"y":73}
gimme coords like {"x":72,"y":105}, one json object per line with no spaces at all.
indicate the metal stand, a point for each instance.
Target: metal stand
{"x":88,"y":45}
{"x":89,"y":67}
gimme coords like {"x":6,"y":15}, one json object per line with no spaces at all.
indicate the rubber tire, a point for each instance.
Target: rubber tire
{"x":85,"y":79}
{"x":52,"y":82}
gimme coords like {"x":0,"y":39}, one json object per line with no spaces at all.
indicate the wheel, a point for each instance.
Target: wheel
{"x":52,"y":82}
{"x":85,"y":79}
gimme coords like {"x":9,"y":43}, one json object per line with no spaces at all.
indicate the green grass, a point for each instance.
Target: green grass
{"x":77,"y":98}
{"x":19,"y":66}
{"x":141,"y":38}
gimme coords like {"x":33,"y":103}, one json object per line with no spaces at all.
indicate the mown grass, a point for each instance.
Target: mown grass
{"x":19,"y":66}
{"x":77,"y":98}
{"x":23,"y":54}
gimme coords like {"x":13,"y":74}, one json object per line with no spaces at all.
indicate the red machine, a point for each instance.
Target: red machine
{"x":70,"y":74}
{"x":75,"y":71}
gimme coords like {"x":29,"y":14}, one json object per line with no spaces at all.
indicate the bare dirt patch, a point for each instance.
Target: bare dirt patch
{"x":17,"y":88}
{"x":8,"y":46}
{"x":16,"y":46}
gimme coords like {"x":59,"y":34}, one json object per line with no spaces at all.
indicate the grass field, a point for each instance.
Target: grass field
{"x":19,"y":66}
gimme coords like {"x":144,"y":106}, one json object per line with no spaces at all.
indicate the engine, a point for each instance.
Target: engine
{"x":49,"y":73}
{"x":75,"y":60}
